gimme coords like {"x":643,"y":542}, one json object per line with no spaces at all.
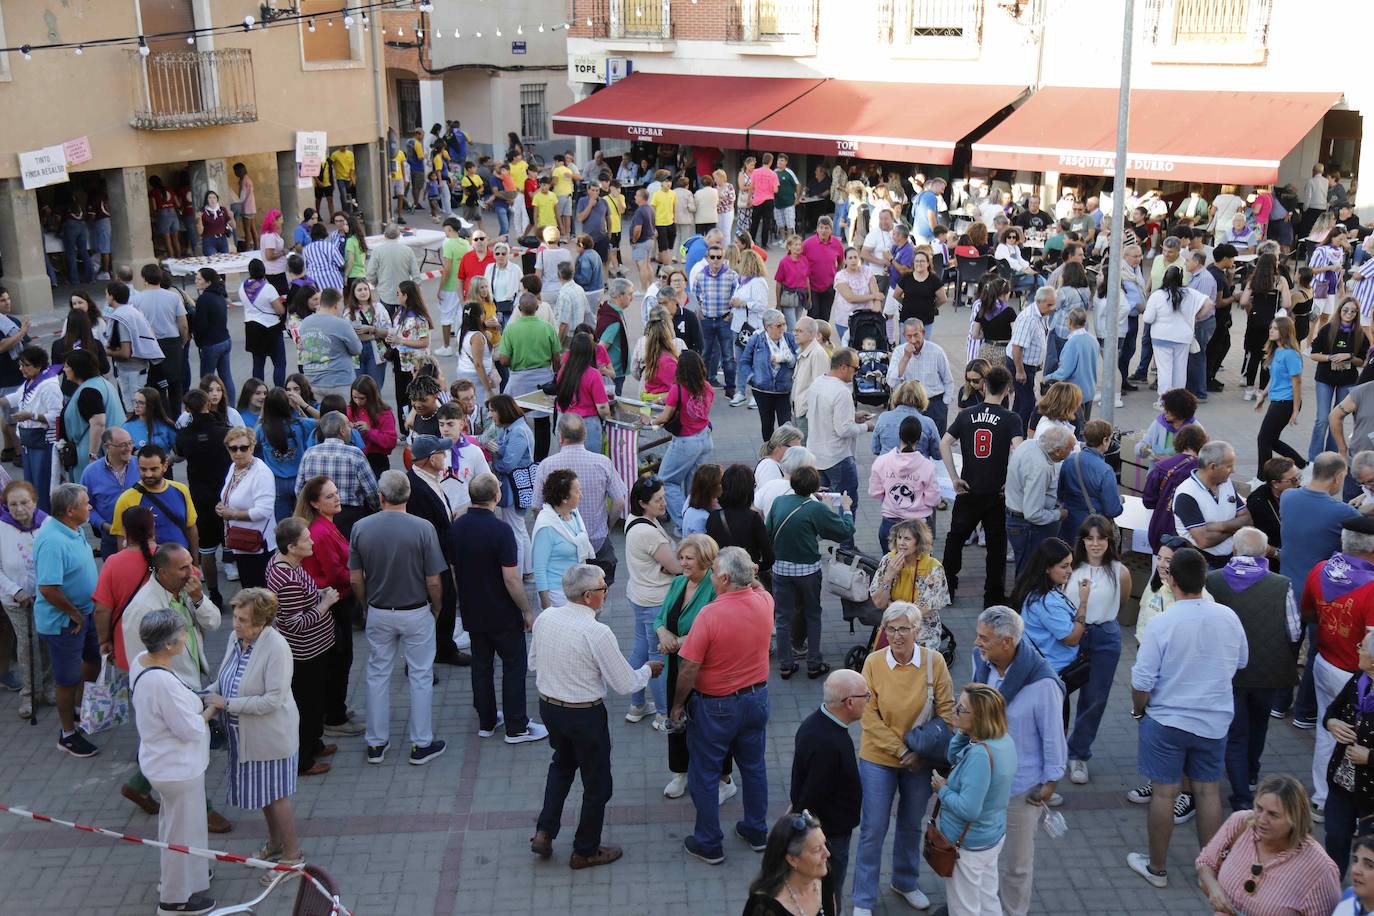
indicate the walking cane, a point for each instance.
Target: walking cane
{"x":34,"y":681}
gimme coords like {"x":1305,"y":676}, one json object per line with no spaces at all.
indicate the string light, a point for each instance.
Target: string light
{"x":27,"y":52}
{"x":520,"y":30}
{"x":79,"y":50}
{"x":142,"y":46}
{"x":479,"y":34}
{"x":420,"y":35}
{"x":311,"y":27}
{"x":248,"y":23}
{"x":348,"y":22}
{"x":457,"y":34}
{"x":498,"y":31}
{"x":190,"y":39}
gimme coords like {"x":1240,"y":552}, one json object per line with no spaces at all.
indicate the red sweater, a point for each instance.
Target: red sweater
{"x":380,"y":436}
{"x":328,"y":565}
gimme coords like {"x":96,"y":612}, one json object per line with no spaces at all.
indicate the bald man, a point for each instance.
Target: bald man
{"x":825,"y":772}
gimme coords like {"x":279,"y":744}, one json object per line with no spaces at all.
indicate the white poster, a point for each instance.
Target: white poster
{"x":310,"y":151}
{"x":43,"y":167}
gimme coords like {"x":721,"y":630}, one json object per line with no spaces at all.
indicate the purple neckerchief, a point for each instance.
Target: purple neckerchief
{"x":1242,"y":572}
{"x":1347,"y":328}
{"x":1364,"y":702}
{"x":30,"y":384}
{"x":1002,"y":306}
{"x":1169,"y":426}
{"x":1343,"y":573}
{"x":39,"y":517}
{"x":251,"y":288}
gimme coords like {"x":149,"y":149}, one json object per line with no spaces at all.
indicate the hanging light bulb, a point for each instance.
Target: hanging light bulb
{"x":383,"y":29}
{"x":311,"y":26}
{"x":79,"y":50}
{"x":541,"y":28}
{"x":589,"y":22}
{"x":419,"y":34}
{"x":479,"y":34}
{"x":498,"y":31}
{"x":142,"y":46}
{"x":248,"y":23}
{"x":190,"y":39}
{"x":348,"y":22}
{"x":331,"y":22}
{"x":457,"y":34}
{"x":365,"y":17}
{"x":27,"y":52}
{"x":520,"y":30}
{"x":400,"y":31}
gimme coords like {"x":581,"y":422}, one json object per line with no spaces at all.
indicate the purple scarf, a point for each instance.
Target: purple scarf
{"x":1364,"y":702}
{"x":39,"y":517}
{"x":1170,"y":427}
{"x":1242,"y":572}
{"x":251,"y":288}
{"x":1343,"y":574}
{"x":30,"y":384}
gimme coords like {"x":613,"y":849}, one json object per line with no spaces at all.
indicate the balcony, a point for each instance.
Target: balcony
{"x":931,"y":28}
{"x":1208,"y":31}
{"x":181,"y":89}
{"x":788,"y":23}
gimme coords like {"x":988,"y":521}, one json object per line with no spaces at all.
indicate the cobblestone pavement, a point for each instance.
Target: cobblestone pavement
{"x":452,"y":837}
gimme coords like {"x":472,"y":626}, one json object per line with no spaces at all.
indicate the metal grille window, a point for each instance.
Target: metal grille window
{"x":534,"y":119}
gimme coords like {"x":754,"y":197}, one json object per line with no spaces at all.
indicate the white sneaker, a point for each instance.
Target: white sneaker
{"x":752,"y":404}
{"x":660,"y":723}
{"x":1119,"y":402}
{"x":500,"y":721}
{"x":1140,"y":864}
{"x":533,"y":732}
{"x":444,"y":351}
{"x":1078,"y":772}
{"x":638,"y":713}
{"x":738,"y":400}
{"x":915,"y":898}
{"x":727,"y":791}
{"x":463,"y":640}
{"x":1248,"y":394}
{"x":861,"y":911}
{"x":676,"y":787}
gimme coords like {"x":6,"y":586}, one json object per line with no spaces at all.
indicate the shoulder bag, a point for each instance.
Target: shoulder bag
{"x":930,"y":739}
{"x":940,"y":854}
{"x":238,"y":538}
{"x":178,"y":520}
{"x":673,"y":425}
{"x":219,"y":738}
{"x":1082,"y":486}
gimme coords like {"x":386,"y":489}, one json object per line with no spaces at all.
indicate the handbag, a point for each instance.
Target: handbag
{"x":940,"y":854}
{"x":237,"y":538}
{"x":745,"y":332}
{"x":105,"y":702}
{"x":1075,"y":673}
{"x":673,"y":425}
{"x":523,"y":480}
{"x":789,"y":299}
{"x":844,"y":576}
{"x":930,"y":739}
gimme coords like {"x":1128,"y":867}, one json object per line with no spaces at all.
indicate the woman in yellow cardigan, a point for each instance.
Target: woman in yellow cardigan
{"x":907,"y":684}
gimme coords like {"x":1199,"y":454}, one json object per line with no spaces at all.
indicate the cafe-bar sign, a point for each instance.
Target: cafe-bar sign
{"x":586,"y":68}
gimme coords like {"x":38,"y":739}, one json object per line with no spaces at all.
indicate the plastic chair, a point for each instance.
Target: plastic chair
{"x":968,"y":271}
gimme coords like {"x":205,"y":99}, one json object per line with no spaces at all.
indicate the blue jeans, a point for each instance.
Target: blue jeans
{"x":938,"y":411}
{"x":1147,"y":353}
{"x":215,"y":358}
{"x":76,"y":245}
{"x":679,"y":463}
{"x":592,"y":442}
{"x":1028,"y":283}
{"x":741,"y":372}
{"x":1053,"y":344}
{"x":1245,"y":741}
{"x":502,"y":208}
{"x":286,"y":498}
{"x":1203,"y":332}
{"x":278,"y":354}
{"x":718,"y":349}
{"x":843,"y":477}
{"x":36,"y":460}
{"x":214,"y":244}
{"x":1025,"y":537}
{"x":369,"y":366}
{"x":881,"y":785}
{"x":737,"y":726}
{"x":887,"y":524}
{"x":1023,"y":393}
{"x":1327,"y":397}
{"x":646,"y":649}
{"x":1103,"y":644}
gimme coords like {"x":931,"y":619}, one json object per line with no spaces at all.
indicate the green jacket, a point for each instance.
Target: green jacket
{"x":705,"y":594}
{"x":796,"y":537}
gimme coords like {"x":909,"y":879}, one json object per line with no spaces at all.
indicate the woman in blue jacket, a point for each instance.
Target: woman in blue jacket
{"x":511,"y":445}
{"x":770,"y":358}
{"x":973,"y":800}
{"x":283,"y":437}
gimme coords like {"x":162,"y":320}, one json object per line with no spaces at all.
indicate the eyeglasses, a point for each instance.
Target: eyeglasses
{"x":603,"y":588}
{"x":960,"y":709}
{"x":973,"y":379}
{"x":715,"y":257}
{"x":1252,"y":882}
{"x":898,"y":631}
{"x":860,"y":696}
{"x":802,"y":821}
{"x":1291,"y":479}
{"x":234,"y":448}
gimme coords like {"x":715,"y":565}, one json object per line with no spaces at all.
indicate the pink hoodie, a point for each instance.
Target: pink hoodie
{"x":905,"y":481}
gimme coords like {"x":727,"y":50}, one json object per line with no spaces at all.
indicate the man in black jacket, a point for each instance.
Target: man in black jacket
{"x":825,"y":773}
{"x":429,"y":456}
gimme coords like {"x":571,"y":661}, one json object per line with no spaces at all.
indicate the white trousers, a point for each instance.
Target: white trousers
{"x":1328,"y":679}
{"x":972,"y":889}
{"x":411,"y":632}
{"x":1171,"y":359}
{"x":181,"y":819}
{"x":516,"y":520}
{"x":1016,"y":866}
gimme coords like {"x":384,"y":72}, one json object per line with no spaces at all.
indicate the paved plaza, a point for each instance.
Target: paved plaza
{"x":453,"y":837}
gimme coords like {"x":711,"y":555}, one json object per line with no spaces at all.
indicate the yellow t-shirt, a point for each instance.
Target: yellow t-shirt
{"x":520,"y":171}
{"x":664,"y":201}
{"x":473,"y":181}
{"x":131,"y":497}
{"x":344,"y":164}
{"x":545,"y":207}
{"x":562,"y":180}
{"x":398,"y":167}
{"x":615,"y":206}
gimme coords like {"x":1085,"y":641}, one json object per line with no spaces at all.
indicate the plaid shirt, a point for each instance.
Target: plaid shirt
{"x":599,"y":482}
{"x":930,"y":367}
{"x":793,"y":570}
{"x":346,"y":466}
{"x":1028,"y":333}
{"x":713,"y":291}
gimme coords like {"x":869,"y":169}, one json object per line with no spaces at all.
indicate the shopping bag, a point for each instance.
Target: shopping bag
{"x":105,"y":702}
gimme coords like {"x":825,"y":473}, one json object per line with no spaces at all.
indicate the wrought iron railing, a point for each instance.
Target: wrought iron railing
{"x":649,"y":19}
{"x":180,"y":89}
{"x":773,"y":20}
{"x":1204,"y":23}
{"x":918,"y":21}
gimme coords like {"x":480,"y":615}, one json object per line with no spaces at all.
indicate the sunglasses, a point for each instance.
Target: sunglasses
{"x":1252,"y":882}
{"x":240,"y":448}
{"x":973,"y":379}
{"x":802,"y":821}
{"x":479,"y":238}
{"x":715,"y":257}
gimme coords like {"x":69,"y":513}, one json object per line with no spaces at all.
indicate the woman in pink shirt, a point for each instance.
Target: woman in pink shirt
{"x":655,"y":363}
{"x":687,"y":407}
{"x":794,"y":282}
{"x":904,"y":480}
{"x":824,"y":254}
{"x":765,"y":182}
{"x":580,"y":389}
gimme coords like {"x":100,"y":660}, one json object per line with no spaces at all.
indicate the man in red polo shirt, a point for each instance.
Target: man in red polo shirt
{"x":475,"y":262}
{"x":724,"y":672}
{"x":1339,"y":595}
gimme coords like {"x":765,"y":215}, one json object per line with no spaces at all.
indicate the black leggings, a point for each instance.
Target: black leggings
{"x":773,"y":407}
{"x":763,"y":223}
{"x":1254,"y":363}
{"x":1271,"y":428}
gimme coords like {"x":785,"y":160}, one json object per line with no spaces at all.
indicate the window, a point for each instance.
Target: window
{"x":534,"y":119}
{"x":330,"y":44}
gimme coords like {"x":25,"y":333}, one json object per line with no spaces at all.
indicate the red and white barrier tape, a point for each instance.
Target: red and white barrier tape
{"x":337,"y":906}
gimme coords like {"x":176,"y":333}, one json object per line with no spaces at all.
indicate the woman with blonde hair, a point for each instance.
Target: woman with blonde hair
{"x":725,"y":204}
{"x":655,"y":357}
{"x":747,"y":306}
{"x":1059,"y":406}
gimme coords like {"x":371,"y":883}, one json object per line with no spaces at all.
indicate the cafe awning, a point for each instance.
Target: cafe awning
{"x":672,"y":108}
{"x":1230,"y":137}
{"x":906,"y":122}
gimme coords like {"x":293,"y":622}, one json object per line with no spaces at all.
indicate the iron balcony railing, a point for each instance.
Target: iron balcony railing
{"x":648,"y":19}
{"x":773,"y":20}
{"x":179,"y":89}
{"x":1208,"y":23}
{"x":949,"y":22}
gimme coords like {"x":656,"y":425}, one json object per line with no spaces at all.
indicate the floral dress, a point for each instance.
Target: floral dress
{"x":412,"y":328}
{"x":926,"y":587}
{"x":371,"y":316}
{"x":252,"y":783}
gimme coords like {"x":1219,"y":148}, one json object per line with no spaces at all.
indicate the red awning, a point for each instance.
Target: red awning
{"x":1231,"y":137}
{"x":669,"y":108}
{"x":906,"y":122}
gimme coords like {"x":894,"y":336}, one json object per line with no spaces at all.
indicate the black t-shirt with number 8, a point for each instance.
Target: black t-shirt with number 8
{"x":985,"y":432}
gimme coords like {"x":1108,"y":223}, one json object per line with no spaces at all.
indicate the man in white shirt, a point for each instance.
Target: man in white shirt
{"x":165,"y":312}
{"x":812,"y":363}
{"x":571,"y":305}
{"x":575,"y":658}
{"x":834,"y":425}
{"x":878,"y":245}
{"x":924,"y":361}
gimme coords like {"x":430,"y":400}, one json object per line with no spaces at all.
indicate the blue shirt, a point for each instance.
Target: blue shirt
{"x":927,"y":205}
{"x":1287,"y":363}
{"x":886,"y":432}
{"x":553,"y":554}
{"x":978,"y":790}
{"x":696,"y":250}
{"x":301,"y":236}
{"x":694,"y":520}
{"x":1310,"y":525}
{"x":1048,"y":619}
{"x":287,"y":462}
{"x":1078,"y":364}
{"x":1103,"y":496}
{"x":103,"y":488}
{"x":161,"y":434}
{"x":62,"y":557}
{"x":1186,"y":662}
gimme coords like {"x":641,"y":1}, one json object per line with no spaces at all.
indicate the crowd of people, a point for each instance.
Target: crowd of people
{"x":445,"y":525}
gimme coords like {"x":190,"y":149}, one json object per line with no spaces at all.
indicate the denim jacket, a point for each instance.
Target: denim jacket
{"x":763,"y":375}
{"x":514,"y":448}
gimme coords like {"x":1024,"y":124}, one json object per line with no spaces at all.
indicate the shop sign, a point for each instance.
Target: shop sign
{"x":43,"y":167}
{"x":587,"y":69}
{"x":310,"y":151}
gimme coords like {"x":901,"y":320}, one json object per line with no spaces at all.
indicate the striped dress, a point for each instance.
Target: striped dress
{"x":252,"y":783}
{"x":1364,"y":289}
{"x":1325,"y":285}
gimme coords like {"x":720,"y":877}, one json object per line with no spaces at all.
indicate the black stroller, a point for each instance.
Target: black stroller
{"x":866,"y":613}
{"x":868,"y":338}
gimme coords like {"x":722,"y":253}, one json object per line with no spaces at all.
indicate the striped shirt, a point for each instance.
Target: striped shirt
{"x":324,"y":263}
{"x":1029,"y":334}
{"x":575,"y":657}
{"x":308,"y":629}
{"x":713,"y":291}
{"x":1324,"y":284}
{"x":1364,"y":288}
{"x":1302,"y":880}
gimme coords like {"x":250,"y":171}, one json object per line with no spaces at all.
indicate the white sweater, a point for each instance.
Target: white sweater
{"x":1168,"y":324}
{"x":173,"y":739}
{"x":16,"y":564}
{"x":831,"y":430}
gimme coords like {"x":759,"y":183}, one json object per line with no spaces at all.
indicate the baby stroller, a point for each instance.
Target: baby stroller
{"x":859,"y":571}
{"x":868,"y":338}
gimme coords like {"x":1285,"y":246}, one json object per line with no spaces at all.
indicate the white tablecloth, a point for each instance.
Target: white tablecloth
{"x":425,"y":239}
